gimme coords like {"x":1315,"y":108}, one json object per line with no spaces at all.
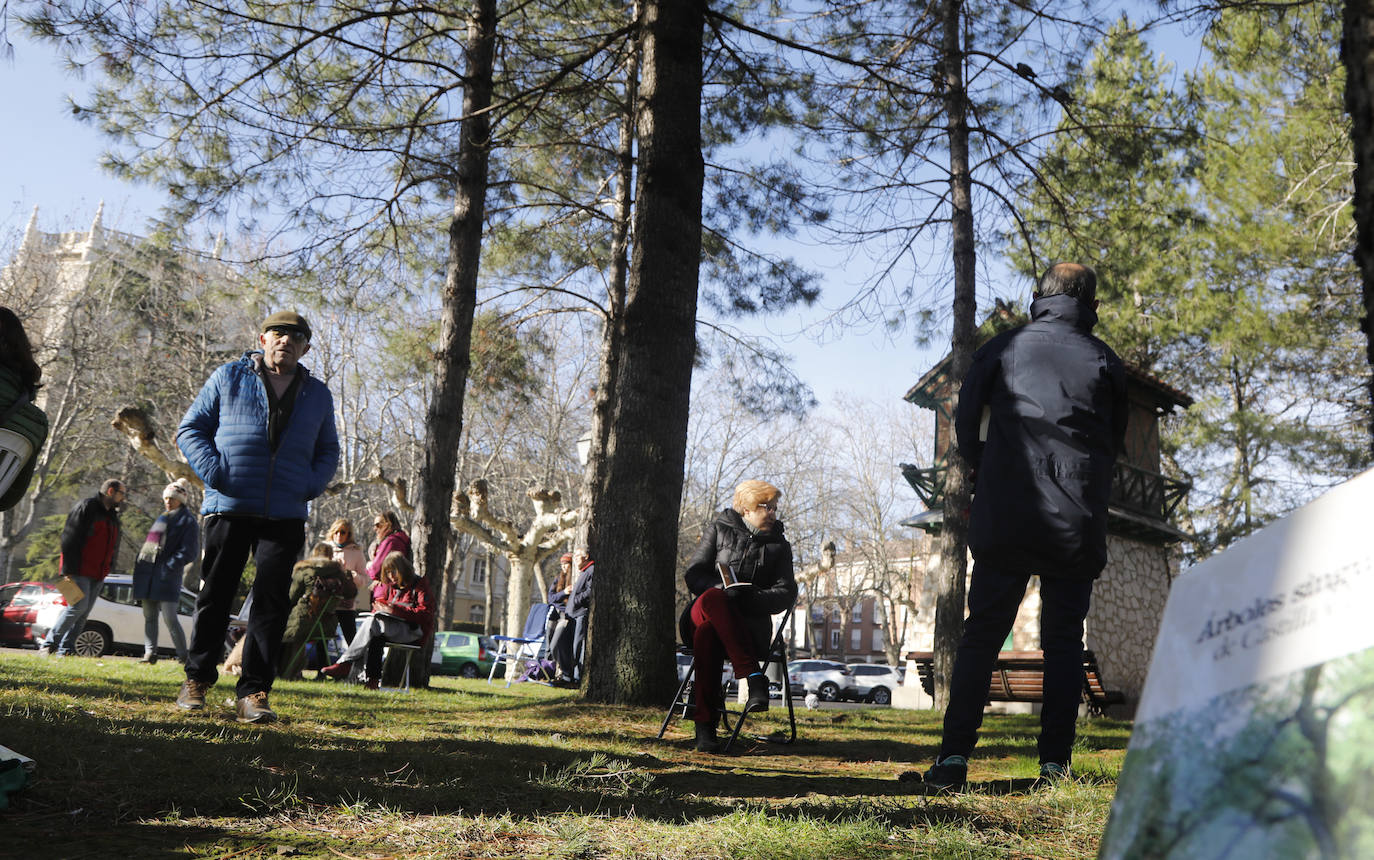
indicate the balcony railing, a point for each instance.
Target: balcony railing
{"x":1134,"y":489}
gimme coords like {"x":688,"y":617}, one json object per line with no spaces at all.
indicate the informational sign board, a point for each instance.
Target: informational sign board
{"x":1255,"y":731}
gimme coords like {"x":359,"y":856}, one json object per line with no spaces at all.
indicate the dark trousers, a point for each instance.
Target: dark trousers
{"x":566,"y":641}
{"x":719,"y":633}
{"x":348,"y":623}
{"x":993,"y":598}
{"x":274,"y":545}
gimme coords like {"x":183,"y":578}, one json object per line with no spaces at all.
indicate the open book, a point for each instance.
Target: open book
{"x":727,"y":576}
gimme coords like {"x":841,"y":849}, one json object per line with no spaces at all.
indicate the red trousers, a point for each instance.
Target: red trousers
{"x":719,"y":634}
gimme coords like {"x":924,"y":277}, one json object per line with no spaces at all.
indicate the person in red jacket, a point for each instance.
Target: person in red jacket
{"x":402,"y":611}
{"x":89,"y":542}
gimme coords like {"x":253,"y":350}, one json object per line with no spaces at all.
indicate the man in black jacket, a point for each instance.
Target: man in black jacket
{"x":1041,"y":419}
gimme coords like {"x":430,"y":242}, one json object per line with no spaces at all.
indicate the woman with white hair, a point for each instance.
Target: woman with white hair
{"x":172,"y":543}
{"x":744,"y":545}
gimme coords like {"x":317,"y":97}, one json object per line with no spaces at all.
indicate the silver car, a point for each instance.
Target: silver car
{"x":872,"y":682}
{"x":116,"y":620}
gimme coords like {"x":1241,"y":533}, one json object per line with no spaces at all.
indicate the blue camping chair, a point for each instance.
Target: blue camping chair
{"x":512,"y":651}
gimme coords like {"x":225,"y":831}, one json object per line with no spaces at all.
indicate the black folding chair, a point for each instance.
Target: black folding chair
{"x":683,"y":702}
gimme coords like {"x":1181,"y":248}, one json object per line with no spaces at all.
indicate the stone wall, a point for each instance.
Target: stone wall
{"x":1128,"y":603}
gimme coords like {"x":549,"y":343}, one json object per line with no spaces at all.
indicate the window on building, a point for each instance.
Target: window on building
{"x":479,"y":569}
{"x":877,"y":613}
{"x":818,"y":613}
{"x":477,"y":613}
{"x":859,"y":613}
{"x":856,"y":639}
{"x":834,"y":640}
{"x":837,"y":617}
{"x":878,"y":643}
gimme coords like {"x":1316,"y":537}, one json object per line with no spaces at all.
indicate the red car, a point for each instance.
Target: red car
{"x":19,"y":605}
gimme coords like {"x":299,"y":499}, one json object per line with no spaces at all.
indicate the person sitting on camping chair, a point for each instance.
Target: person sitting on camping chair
{"x":570,"y":635}
{"x":739,"y":575}
{"x":314,"y":582}
{"x":402,"y":612}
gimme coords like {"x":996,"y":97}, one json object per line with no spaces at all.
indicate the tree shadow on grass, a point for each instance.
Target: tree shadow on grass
{"x":118,"y":768}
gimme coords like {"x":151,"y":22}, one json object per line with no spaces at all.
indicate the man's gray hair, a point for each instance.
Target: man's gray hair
{"x":112,"y":484}
{"x":1070,"y":279}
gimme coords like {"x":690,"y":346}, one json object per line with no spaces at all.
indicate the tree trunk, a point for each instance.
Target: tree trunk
{"x":1357,"y":47}
{"x":949,"y":602}
{"x":518,"y":591}
{"x":444,"y":415}
{"x":635,"y":518}
{"x":593,"y":473}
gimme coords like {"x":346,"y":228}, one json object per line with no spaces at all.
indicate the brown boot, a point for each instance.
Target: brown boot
{"x":253,"y":708}
{"x":192,"y":695}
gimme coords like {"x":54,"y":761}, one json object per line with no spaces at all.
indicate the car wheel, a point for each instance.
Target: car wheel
{"x":469,"y":670}
{"x":881,"y":696}
{"x":92,"y":641}
{"x":828,"y":691}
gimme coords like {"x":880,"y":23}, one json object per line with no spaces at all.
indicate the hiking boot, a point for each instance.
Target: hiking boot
{"x":707,"y":741}
{"x":253,"y":708}
{"x":192,"y":695}
{"x":1052,"y":772}
{"x":949,"y":773}
{"x":758,"y":693}
{"x":372,"y":684}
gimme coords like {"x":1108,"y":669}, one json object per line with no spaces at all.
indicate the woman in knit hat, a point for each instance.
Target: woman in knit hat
{"x":172,"y":543}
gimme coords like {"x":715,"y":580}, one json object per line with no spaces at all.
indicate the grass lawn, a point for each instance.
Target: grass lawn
{"x":471,"y":770}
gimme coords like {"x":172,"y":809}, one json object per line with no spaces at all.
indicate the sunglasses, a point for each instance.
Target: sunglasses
{"x":295,"y":335}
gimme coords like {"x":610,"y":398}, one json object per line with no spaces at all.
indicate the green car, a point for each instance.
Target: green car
{"x":465,"y":654}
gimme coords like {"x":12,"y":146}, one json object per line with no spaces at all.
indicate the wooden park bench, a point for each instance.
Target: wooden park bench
{"x":1019,"y":676}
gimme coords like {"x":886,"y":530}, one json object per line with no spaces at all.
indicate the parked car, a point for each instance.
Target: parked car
{"x":871,"y":682}
{"x":116,"y":620}
{"x":20,"y":603}
{"x":826,"y":678}
{"x":456,"y":653}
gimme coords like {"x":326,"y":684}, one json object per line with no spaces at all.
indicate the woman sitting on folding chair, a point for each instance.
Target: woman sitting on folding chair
{"x":402,"y":612}
{"x":739,"y":576}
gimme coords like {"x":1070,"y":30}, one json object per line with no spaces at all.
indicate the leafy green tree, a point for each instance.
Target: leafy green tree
{"x":1357,"y":45}
{"x":1218,"y":220}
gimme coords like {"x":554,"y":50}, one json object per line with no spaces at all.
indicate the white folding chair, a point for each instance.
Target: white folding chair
{"x":511,"y":651}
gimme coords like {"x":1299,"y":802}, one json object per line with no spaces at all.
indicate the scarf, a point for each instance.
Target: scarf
{"x":152,"y":544}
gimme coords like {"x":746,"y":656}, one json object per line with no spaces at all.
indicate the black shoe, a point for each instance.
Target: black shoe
{"x":706,"y":738}
{"x":758,"y":693}
{"x":949,"y":774}
{"x":149,"y":659}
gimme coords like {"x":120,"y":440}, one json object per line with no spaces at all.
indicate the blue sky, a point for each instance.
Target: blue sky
{"x":50,"y":160}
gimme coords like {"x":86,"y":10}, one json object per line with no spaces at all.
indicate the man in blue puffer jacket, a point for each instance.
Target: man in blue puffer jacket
{"x":1041,"y":419}
{"x":261,"y":436}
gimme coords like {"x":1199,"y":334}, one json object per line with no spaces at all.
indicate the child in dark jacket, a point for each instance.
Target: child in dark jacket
{"x":314,"y":581}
